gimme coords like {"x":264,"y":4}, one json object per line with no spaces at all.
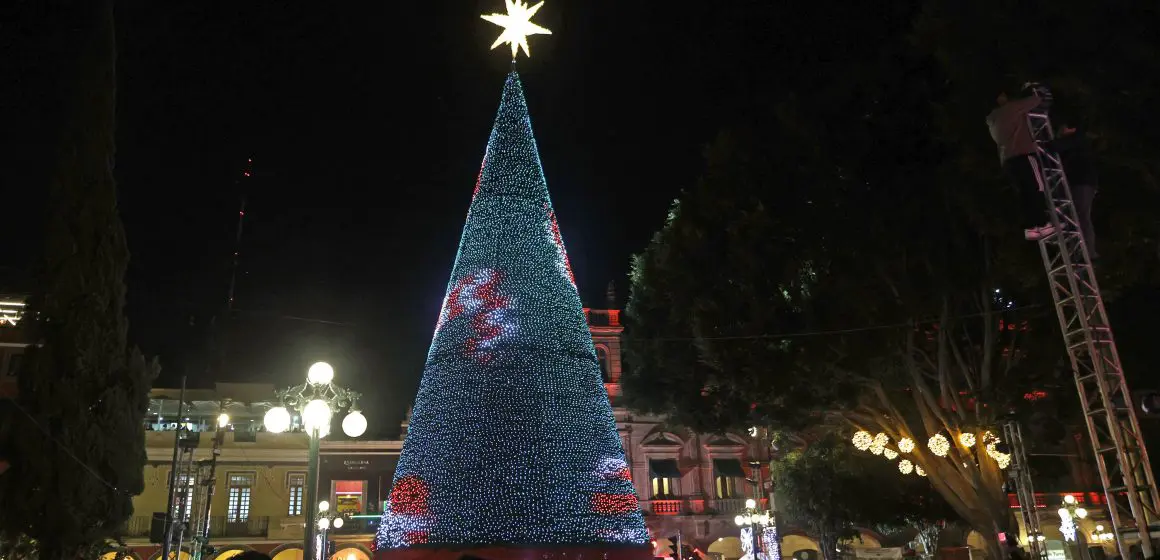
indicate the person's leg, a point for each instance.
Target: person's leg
{"x":1033,"y":211}
{"x":1084,"y":196}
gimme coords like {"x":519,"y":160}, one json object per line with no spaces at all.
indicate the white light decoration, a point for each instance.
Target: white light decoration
{"x":890,"y":454}
{"x":750,"y":503}
{"x":862,"y":440}
{"x":517,"y":25}
{"x":316,"y":415}
{"x":277,"y":420}
{"x":905,"y":466}
{"x":919,"y":471}
{"x":320,"y":374}
{"x":938,"y":445}
{"x":324,"y":506}
{"x":905,"y":445}
{"x":324,"y":523}
{"x":1080,"y":513}
{"x":354,"y":424}
{"x":967,"y":439}
{"x":1068,"y":499}
{"x":1003,"y":460}
{"x":879,"y":444}
{"x":223,"y":420}
{"x":739,"y":520}
{"x":747,"y":552}
{"x":338,"y":522}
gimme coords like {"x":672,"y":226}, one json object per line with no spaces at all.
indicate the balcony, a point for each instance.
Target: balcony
{"x":729,"y":506}
{"x":666,"y":507}
{"x":255,"y":526}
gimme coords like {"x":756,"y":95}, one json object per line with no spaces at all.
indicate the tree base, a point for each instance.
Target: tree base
{"x":531,"y":552}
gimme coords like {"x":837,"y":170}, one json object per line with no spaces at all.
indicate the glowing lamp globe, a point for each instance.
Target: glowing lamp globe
{"x":316,"y":416}
{"x":750,"y":503}
{"x":1064,"y":514}
{"x":1080,"y":513}
{"x":1069,"y":499}
{"x":355,"y":424}
{"x":324,"y":523}
{"x":323,"y":505}
{"x":223,"y":420}
{"x":320,"y":374}
{"x":337,"y":522}
{"x":739,"y":520}
{"x":277,"y":420}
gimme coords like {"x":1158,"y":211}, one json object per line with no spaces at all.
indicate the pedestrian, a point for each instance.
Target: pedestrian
{"x":1017,"y":155}
{"x":1074,"y":147}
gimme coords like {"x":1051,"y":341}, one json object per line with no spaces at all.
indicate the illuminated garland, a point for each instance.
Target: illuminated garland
{"x":862,"y":440}
{"x":512,"y":440}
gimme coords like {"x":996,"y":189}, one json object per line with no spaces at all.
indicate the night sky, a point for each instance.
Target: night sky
{"x":367,"y":124}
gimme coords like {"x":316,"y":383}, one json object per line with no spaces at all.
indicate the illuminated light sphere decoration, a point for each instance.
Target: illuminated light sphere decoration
{"x":905,"y":466}
{"x":890,"y":454}
{"x":277,"y":420}
{"x":512,"y":449}
{"x":938,"y":445}
{"x":879,"y":443}
{"x":862,"y":440}
{"x":919,"y":471}
{"x":905,"y":445}
{"x":967,"y":439}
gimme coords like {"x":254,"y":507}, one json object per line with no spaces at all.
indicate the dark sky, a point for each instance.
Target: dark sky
{"x":367,"y":123}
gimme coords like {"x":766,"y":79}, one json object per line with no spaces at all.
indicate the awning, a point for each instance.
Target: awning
{"x":728,"y":468}
{"x":663,"y":468}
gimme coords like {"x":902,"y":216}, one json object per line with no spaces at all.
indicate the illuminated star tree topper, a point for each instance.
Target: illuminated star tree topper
{"x":517,"y":25}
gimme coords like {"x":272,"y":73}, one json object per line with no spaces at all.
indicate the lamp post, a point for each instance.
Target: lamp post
{"x":1068,"y":514}
{"x":315,"y":401}
{"x":327,"y":519}
{"x":754,"y":522}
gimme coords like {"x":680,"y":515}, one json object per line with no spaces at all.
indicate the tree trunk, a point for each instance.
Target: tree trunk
{"x":828,"y":541}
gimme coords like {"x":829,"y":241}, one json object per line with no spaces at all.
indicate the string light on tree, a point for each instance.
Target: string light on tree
{"x":890,"y":454}
{"x":938,"y":445}
{"x":919,"y":471}
{"x":905,"y":445}
{"x":879,"y":444}
{"x":905,"y":466}
{"x":862,"y":440}
{"x":512,"y":360}
{"x":967,"y":439}
{"x":517,"y":25}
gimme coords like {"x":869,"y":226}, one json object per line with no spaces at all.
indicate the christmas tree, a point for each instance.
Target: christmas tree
{"x":512,"y":442}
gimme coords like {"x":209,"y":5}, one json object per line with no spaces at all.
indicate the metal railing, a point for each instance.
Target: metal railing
{"x":729,"y":505}
{"x":254,"y":526}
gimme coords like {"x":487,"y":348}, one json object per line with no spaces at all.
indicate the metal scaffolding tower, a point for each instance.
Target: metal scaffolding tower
{"x":1021,"y":475}
{"x":1109,"y":411}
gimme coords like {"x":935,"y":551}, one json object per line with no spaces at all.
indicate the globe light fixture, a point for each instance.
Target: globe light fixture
{"x":223,"y":420}
{"x":1080,"y":513}
{"x":739,"y":520}
{"x":1068,"y":499}
{"x":324,"y":523}
{"x":315,"y":415}
{"x":323,"y":505}
{"x":355,"y":424}
{"x":750,"y":503}
{"x":337,"y":522}
{"x":277,"y":420}
{"x":1064,"y":514}
{"x":320,"y":374}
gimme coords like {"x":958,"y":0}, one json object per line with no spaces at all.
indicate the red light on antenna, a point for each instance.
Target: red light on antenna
{"x":241,"y":213}
{"x":247,"y":174}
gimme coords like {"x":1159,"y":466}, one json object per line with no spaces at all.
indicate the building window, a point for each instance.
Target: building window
{"x":602,"y":359}
{"x":728,"y":474}
{"x":238,"y":508}
{"x":664,"y":475}
{"x":349,"y":496}
{"x":297,"y":484}
{"x":183,"y":497}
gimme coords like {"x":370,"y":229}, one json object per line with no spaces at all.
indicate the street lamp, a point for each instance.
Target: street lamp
{"x":327,"y":520}
{"x":315,"y":401}
{"x":753,"y":522}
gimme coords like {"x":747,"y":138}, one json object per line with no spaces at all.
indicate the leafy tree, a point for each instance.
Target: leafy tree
{"x":840,"y":259}
{"x":77,"y":443}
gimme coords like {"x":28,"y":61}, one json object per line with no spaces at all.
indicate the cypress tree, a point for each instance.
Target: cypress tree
{"x":76,"y":438}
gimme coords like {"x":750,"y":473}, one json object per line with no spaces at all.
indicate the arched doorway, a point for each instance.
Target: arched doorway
{"x":726,"y":548}
{"x":287,"y":552}
{"x":230,"y":552}
{"x":792,"y":544}
{"x":350,"y":551}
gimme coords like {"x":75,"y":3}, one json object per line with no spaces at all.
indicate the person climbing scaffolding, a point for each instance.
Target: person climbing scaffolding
{"x":1017,"y":148}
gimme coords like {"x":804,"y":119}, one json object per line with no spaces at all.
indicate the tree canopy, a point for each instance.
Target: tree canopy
{"x":76,"y":439}
{"x":852,"y":252}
